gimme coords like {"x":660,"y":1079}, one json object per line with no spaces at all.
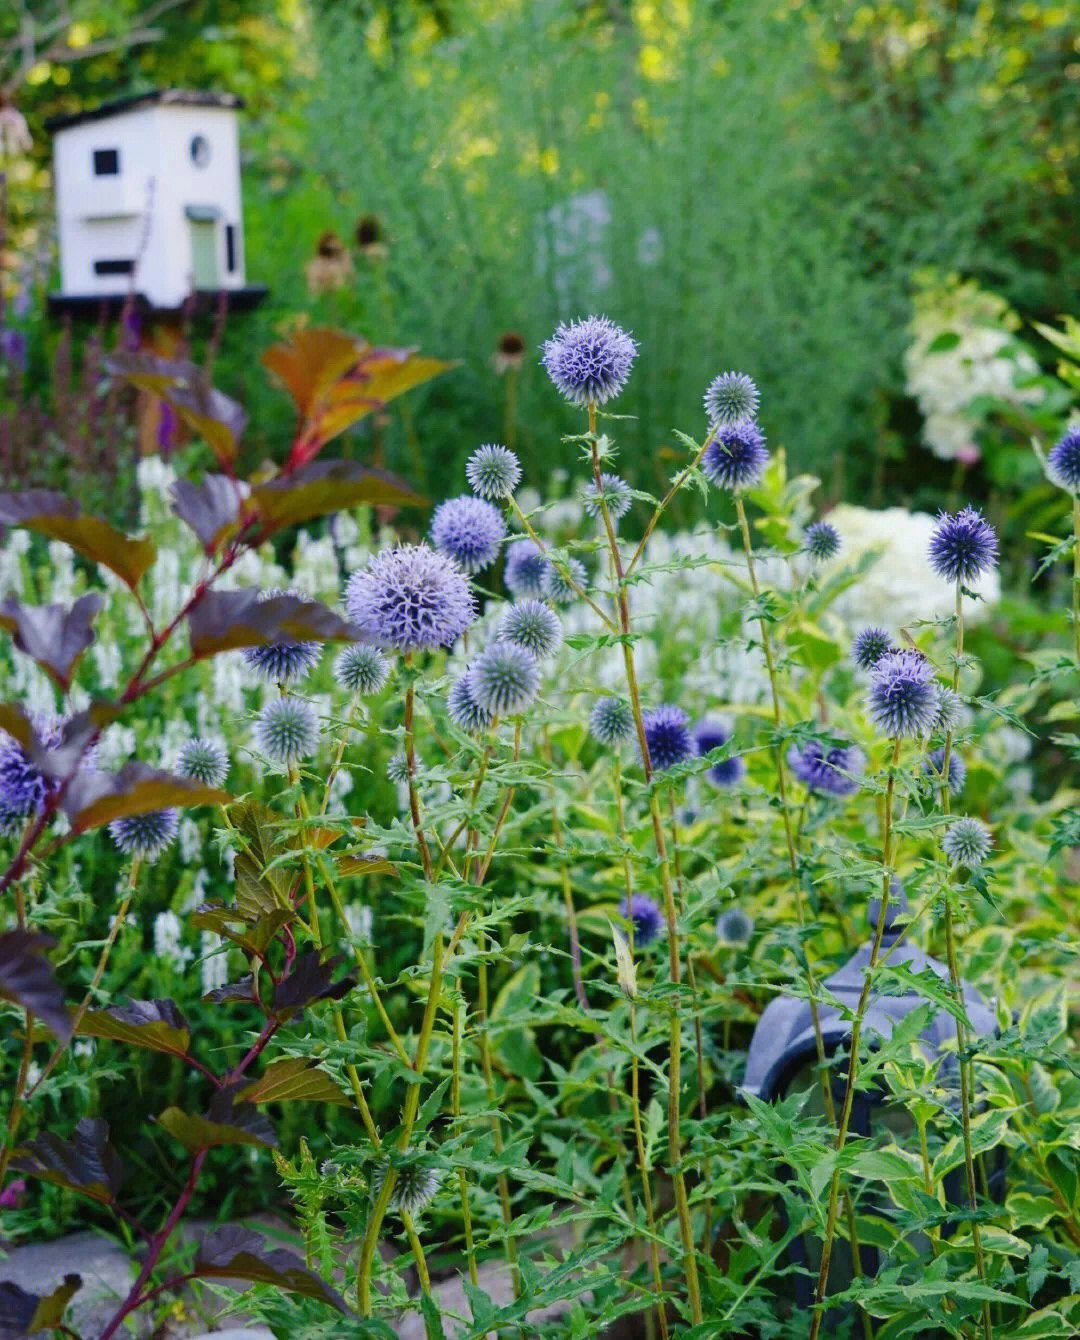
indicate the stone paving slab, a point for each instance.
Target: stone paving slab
{"x":106,"y":1269}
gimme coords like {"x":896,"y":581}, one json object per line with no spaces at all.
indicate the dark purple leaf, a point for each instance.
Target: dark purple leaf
{"x":241,"y":991}
{"x":210,"y":508}
{"x":86,"y":1163}
{"x":96,"y":798}
{"x":206,"y":411}
{"x":235,"y":1253}
{"x":26,"y":979}
{"x":261,"y":929}
{"x":228,"y":620}
{"x":24,"y":1314}
{"x":54,"y":635}
{"x":325,"y":487}
{"x":310,"y":980}
{"x":156,"y":1025}
{"x":61,"y":518}
{"x":76,"y":733}
{"x":223,"y":1124}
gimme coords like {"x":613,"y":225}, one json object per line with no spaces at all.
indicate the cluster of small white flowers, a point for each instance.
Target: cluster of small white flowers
{"x":315,"y":567}
{"x":360,"y":920}
{"x":214,"y":962}
{"x":169,"y":940}
{"x":189,"y":837}
{"x":987,"y":360}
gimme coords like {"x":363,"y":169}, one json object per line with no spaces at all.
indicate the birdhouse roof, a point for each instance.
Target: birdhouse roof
{"x":161,"y":97}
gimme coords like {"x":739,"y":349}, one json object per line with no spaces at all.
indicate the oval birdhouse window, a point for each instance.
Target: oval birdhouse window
{"x":200,"y":151}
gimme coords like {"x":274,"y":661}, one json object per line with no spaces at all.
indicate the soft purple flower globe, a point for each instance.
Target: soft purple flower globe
{"x":821,"y":540}
{"x":736,"y":457}
{"x":613,"y":493}
{"x":469,"y":530}
{"x":533,"y":625}
{"x":714,"y":734}
{"x":203,"y":760}
{"x":397,"y":767}
{"x":145,"y":836}
{"x":967,"y":842}
{"x":611,"y":721}
{"x":833,"y":771}
{"x":361,"y":669}
{"x":416,"y":1183}
{"x":646,"y":918}
{"x":282,"y":662}
{"x":23,"y":787}
{"x":287,"y":730}
{"x":731,"y":397}
{"x":949,"y":707}
{"x":935,"y":761}
{"x":558,"y":588}
{"x":465,"y":712}
{"x":667,"y":733}
{"x":963,"y":546}
{"x":504,"y":679}
{"x":1064,"y":461}
{"x":735,"y":927}
{"x":590,"y":360}
{"x":493,"y":471}
{"x":526,"y":571}
{"x":903,"y":697}
{"x":870,"y":646}
{"x":411,"y":598}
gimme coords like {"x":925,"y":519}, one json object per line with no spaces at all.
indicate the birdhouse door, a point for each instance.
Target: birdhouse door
{"x":203,"y":225}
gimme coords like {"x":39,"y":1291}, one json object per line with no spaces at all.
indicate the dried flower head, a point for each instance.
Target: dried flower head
{"x":935,"y":762}
{"x":465,"y":711}
{"x":526,"y":570}
{"x":287,"y":730}
{"x":370,"y":237}
{"x":557,"y":587}
{"x":730,"y":398}
{"x":411,"y":598}
{"x":967,"y":842}
{"x":415,"y":1183}
{"x":504,"y":679}
{"x":470,"y":530}
{"x":821,"y":540}
{"x":510,"y":352}
{"x":734,"y":927}
{"x":1064,"y":461}
{"x":644,"y":914}
{"x":611,"y":720}
{"x":361,"y":670}
{"x":711,"y":734}
{"x":870,"y":646}
{"x":667,"y":733}
{"x":533,"y":625}
{"x":903,"y":697}
{"x":736,"y":457}
{"x":831,"y":771}
{"x":613,"y":493}
{"x":203,"y":760}
{"x":963,"y":546}
{"x":590,"y":360}
{"x":493,"y":471}
{"x":282,"y":661}
{"x":145,"y":835}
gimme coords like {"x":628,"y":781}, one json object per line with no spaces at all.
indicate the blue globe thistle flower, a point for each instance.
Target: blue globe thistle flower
{"x":870,"y":646}
{"x":903,"y":697}
{"x":834,"y":771}
{"x":557,"y":588}
{"x":470,"y":530}
{"x":735,"y":927}
{"x":1064,"y":461}
{"x":967,"y":842}
{"x":949,"y":707}
{"x":203,"y":760}
{"x":611,"y":720}
{"x":282,"y":662}
{"x":504,"y":679}
{"x":415,"y":1185}
{"x":667,"y":733}
{"x":533,"y":625}
{"x":645,"y":916}
{"x":714,"y":734}
{"x":287,"y":730}
{"x":935,"y":761}
{"x":590,"y":360}
{"x":821,"y":540}
{"x":731,"y":397}
{"x":613,"y":492}
{"x":145,"y":835}
{"x":963,"y":546}
{"x":397,"y":767}
{"x":526,"y":570}
{"x":736,"y":456}
{"x":362,"y":670}
{"x":465,"y":711}
{"x":411,"y":598}
{"x":23,"y":787}
{"x":493,"y":471}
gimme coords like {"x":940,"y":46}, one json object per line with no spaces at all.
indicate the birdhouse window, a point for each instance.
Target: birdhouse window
{"x":106,"y":162}
{"x":114,"y":267}
{"x":200,"y":151}
{"x":230,"y":247}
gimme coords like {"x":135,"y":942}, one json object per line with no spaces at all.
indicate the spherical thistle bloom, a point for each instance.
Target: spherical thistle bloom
{"x":504,"y":679}
{"x":589,"y":361}
{"x":411,"y":598}
{"x":967,"y":842}
{"x":870,"y":646}
{"x":465,"y":711}
{"x":736,"y":456}
{"x":711,"y":734}
{"x":557,"y":587}
{"x":611,"y":720}
{"x":833,"y":771}
{"x":949,"y":707}
{"x":667,"y":733}
{"x":903,"y":697}
{"x":645,"y":916}
{"x":526,"y":570}
{"x":282,"y":662}
{"x":203,"y":760}
{"x":935,"y":762}
{"x":145,"y":835}
{"x":821,"y":540}
{"x":730,"y":398}
{"x":735,"y":927}
{"x":23,"y":787}
{"x":613,"y":493}
{"x":963,"y":546}
{"x":414,"y":1186}
{"x":361,"y":669}
{"x":533,"y":625}
{"x":397,"y":768}
{"x":470,"y":530}
{"x":1064,"y":461}
{"x":287,"y":730}
{"x":493,"y":471}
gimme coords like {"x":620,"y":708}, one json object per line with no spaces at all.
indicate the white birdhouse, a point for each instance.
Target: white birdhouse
{"x":148,"y":202}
